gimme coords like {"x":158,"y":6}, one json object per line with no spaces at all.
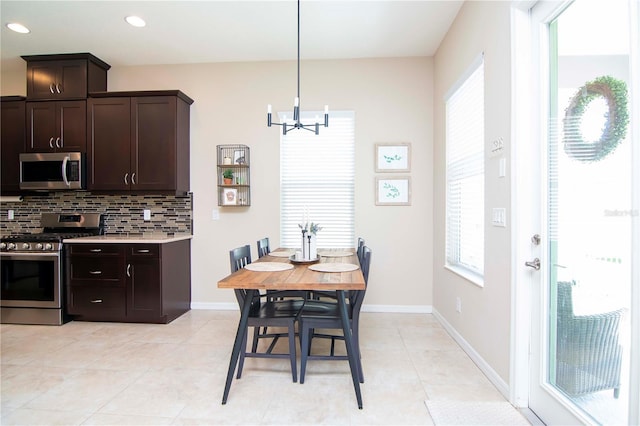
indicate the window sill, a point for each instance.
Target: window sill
{"x":467,"y":275}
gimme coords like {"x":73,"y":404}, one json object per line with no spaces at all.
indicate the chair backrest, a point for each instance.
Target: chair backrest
{"x":263,"y":247}
{"x":240,"y":257}
{"x":360,"y":247}
{"x":356,"y":297}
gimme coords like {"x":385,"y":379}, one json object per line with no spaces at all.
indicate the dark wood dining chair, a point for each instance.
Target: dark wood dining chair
{"x":263,"y":247}
{"x":359,"y":248}
{"x":321,"y":314}
{"x":265,"y":312}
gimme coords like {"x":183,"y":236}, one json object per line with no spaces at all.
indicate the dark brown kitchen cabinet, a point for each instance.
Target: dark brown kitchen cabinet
{"x":12,"y":142}
{"x":129,"y":282}
{"x":65,"y":76}
{"x":138,"y":141}
{"x":57,"y":126}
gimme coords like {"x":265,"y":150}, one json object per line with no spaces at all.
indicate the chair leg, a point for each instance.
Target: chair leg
{"x":256,"y":333}
{"x":292,"y":350}
{"x":305,"y":348}
{"x":243,"y":349}
{"x":356,"y":344}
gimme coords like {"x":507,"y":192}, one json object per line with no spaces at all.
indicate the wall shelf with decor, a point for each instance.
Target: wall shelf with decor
{"x":234,"y":177}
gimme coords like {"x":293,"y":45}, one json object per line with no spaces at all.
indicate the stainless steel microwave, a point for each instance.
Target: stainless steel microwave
{"x":46,"y":171}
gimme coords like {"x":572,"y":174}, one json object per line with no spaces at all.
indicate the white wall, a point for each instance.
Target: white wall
{"x":484,"y":323}
{"x":392,"y":99}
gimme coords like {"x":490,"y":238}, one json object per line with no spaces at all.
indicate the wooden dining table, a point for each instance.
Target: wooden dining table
{"x":300,"y":277}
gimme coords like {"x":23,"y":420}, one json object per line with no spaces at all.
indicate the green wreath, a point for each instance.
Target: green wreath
{"x":615,"y":128}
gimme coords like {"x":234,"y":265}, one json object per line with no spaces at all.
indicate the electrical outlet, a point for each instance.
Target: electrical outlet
{"x":215,"y":214}
{"x":146,"y":214}
{"x":10,"y":215}
{"x":458,"y":305}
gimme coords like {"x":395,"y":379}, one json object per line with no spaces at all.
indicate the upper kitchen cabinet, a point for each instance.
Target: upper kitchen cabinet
{"x":65,"y":76}
{"x":57,"y":126}
{"x":12,"y":142}
{"x":138,"y":141}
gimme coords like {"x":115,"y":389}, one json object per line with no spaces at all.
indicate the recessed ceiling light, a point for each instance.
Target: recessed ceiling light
{"x":19,"y":28}
{"x":136,"y":21}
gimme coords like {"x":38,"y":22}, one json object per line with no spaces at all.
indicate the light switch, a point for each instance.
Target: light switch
{"x":215,"y":214}
{"x":10,"y":215}
{"x":499,"y":217}
{"x":147,"y":214}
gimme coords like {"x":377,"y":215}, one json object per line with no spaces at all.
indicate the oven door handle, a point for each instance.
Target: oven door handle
{"x":31,"y":256}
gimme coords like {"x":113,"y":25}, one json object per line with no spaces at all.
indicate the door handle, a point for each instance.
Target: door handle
{"x":126,"y":179}
{"x":95,"y":272}
{"x":129,"y":270}
{"x":535,"y":264}
{"x":51,"y":143}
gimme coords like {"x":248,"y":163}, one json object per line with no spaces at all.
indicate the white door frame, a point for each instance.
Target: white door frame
{"x":525,"y":154}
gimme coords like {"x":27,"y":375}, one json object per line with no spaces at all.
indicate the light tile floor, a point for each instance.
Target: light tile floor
{"x":111,"y":373}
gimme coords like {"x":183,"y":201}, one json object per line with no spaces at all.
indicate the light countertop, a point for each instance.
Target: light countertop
{"x":129,"y":239}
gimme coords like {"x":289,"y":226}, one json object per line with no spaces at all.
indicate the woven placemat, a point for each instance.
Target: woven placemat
{"x":268,"y":266}
{"x":281,"y":253}
{"x":334,"y":267}
{"x":335,"y":253}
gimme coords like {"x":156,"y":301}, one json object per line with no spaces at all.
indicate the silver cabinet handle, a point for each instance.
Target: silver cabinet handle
{"x":51,"y":143}
{"x":51,"y":88}
{"x":58,"y":88}
{"x":95,"y":272}
{"x":129,"y":270}
{"x":143,"y":251}
{"x":126,"y":178}
{"x":133,"y":178}
{"x":95,"y":250}
{"x":58,"y":142}
{"x":96,"y":301}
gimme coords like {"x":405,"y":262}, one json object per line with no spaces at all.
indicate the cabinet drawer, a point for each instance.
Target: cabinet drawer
{"x":96,"y":268}
{"x":97,"y":302}
{"x":96,"y":249}
{"x":143,"y":250}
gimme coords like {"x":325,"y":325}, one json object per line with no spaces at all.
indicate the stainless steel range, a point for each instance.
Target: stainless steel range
{"x":32,"y":267}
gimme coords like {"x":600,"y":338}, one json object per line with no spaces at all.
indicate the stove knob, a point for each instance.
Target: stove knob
{"x":25,"y":246}
{"x":3,"y":246}
{"x":39,"y":246}
{"x":48,"y":246}
{"x":12,"y":246}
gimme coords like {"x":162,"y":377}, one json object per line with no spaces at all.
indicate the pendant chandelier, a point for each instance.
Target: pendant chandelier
{"x":297,"y":124}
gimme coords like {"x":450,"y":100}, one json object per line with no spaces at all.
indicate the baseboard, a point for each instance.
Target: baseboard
{"x":406,"y":309}
{"x":491,"y":374}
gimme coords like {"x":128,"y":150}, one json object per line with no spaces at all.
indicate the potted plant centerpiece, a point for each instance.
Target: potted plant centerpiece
{"x":228,"y":176}
{"x":309,"y":248}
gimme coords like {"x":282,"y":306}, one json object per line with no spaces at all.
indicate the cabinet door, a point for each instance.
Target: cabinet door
{"x":41,"y":80}
{"x":12,"y":140}
{"x":41,"y":126}
{"x":109,"y":143}
{"x":153,"y":156}
{"x":72,"y":121}
{"x":72,"y":79}
{"x":144,"y":297}
{"x":57,"y":79}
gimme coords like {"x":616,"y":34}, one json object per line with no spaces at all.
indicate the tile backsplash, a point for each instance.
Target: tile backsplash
{"x":123,"y":213}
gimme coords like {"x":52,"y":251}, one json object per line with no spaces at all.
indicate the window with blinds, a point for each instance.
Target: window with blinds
{"x":317,"y":179}
{"x":464,"y":104}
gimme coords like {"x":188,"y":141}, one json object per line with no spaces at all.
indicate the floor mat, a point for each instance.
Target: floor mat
{"x":474,"y":413}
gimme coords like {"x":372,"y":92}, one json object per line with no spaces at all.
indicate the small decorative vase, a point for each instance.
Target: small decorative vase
{"x":313,"y":251}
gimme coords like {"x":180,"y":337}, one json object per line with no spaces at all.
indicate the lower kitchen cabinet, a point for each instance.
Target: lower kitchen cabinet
{"x":129,"y":282}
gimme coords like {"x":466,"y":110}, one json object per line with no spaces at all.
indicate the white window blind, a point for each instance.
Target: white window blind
{"x":465,"y":173}
{"x":317,"y":179}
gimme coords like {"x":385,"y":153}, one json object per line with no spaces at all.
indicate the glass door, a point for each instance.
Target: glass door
{"x":588,"y":255}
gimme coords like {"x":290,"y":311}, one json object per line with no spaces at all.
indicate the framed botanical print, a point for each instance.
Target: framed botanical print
{"x":393,"y":191}
{"x":393,"y":157}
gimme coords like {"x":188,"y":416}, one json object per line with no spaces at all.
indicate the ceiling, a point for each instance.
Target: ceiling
{"x":224,"y":31}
